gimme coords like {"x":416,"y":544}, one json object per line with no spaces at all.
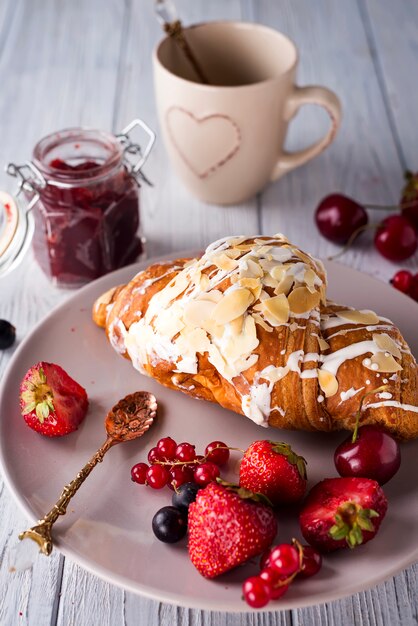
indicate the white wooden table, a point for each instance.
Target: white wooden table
{"x":89,"y":63}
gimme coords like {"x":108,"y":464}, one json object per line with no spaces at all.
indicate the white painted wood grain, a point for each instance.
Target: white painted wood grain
{"x":393,"y":28}
{"x":363,"y":162}
{"x":70,"y":63}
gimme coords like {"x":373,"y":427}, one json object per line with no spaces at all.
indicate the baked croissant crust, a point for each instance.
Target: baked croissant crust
{"x":247,"y":325}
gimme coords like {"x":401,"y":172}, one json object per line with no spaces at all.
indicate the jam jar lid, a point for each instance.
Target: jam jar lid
{"x":16,"y":216}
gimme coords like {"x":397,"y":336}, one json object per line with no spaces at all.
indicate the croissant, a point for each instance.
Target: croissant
{"x":248,"y":325}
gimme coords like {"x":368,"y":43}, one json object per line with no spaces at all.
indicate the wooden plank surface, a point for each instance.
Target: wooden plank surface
{"x":89,"y":63}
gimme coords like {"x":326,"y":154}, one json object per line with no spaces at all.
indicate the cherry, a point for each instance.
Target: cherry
{"x":256,"y":592}
{"x":157,"y":476}
{"x":206,"y":473}
{"x":414,"y":288}
{"x":311,"y":562}
{"x":265,"y":559}
{"x":167,"y":448}
{"x":402,"y":281}
{"x":217,"y":452}
{"x":180,"y":474}
{"x":139,"y":473}
{"x":185,"y":452}
{"x":338,"y":217}
{"x":396,"y":238}
{"x":284,"y":558}
{"x":154,"y":455}
{"x":272,"y":578}
{"x":373,"y":453}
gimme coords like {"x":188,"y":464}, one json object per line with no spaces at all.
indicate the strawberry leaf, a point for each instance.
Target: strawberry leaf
{"x":280,"y":447}
{"x":245,"y":494}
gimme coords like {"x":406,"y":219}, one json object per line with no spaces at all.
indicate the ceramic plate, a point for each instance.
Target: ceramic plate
{"x":107,"y":528}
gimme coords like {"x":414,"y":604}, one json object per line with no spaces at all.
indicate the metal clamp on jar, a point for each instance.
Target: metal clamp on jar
{"x":78,"y":202}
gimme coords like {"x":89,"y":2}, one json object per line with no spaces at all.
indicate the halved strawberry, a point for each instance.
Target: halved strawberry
{"x":342,"y":512}
{"x":273,"y":469}
{"x":227,"y":526}
{"x":51,"y":402}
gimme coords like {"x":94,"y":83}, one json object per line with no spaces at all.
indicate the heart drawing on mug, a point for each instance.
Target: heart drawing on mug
{"x":204,"y":143}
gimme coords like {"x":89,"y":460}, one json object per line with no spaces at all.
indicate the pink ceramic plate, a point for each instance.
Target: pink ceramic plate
{"x":107,"y":529}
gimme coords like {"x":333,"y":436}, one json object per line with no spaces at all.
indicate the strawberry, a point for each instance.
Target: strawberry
{"x":342,"y":512}
{"x":409,"y":198}
{"x":51,"y":402}
{"x":273,"y":469}
{"x":227,"y":526}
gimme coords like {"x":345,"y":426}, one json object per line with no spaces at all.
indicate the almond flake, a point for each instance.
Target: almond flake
{"x":324,"y":345}
{"x":327,"y":382}
{"x":232,"y":305}
{"x":359,"y":317}
{"x":302,"y":300}
{"x":386,"y":343}
{"x":278,"y":307}
{"x":196,"y":312}
{"x":233,"y":254}
{"x":284,"y":285}
{"x":269,"y":281}
{"x":249,"y":283}
{"x":224,"y":263}
{"x":244,"y":247}
{"x":204,"y":282}
{"x":253,"y":269}
{"x":263,"y":250}
{"x":259,"y":320}
{"x":385,"y":363}
{"x":310,"y":278}
{"x":212,"y":296}
{"x":278,"y":272}
{"x":237,"y":324}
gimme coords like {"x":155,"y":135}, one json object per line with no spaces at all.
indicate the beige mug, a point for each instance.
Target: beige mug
{"x":225,"y":139}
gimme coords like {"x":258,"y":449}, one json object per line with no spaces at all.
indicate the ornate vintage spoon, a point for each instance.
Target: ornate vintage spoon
{"x":129,"y":419}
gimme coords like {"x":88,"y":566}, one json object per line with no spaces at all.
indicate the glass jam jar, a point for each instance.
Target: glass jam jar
{"x":82,"y":191}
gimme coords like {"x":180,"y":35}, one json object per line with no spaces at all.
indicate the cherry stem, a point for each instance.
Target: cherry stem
{"x":196,"y":461}
{"x":350,"y":241}
{"x":368,"y":393}
{"x":289,"y":579}
{"x":394,"y":207}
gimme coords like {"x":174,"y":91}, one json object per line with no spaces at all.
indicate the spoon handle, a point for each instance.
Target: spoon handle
{"x":41,"y":532}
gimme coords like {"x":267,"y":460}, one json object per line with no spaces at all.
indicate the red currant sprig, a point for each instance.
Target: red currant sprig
{"x":179,"y":464}
{"x":279,"y":567}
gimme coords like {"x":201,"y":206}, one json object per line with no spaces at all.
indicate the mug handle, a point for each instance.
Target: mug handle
{"x":308,"y":95}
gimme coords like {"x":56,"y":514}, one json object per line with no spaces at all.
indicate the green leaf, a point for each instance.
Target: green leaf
{"x":338,"y":531}
{"x":28,"y":408}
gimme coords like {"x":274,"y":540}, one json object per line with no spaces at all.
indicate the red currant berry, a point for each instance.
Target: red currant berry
{"x":311,"y":563}
{"x":273,"y":579}
{"x":217,"y":452}
{"x":396,"y":238}
{"x":157,"y":476}
{"x":338,"y":217}
{"x":180,"y":474}
{"x":256,"y":592}
{"x":139,"y":473}
{"x":206,"y":473}
{"x":185,"y":452}
{"x":403,"y":281}
{"x":284,"y":558}
{"x":154,"y":455}
{"x":167,"y":448}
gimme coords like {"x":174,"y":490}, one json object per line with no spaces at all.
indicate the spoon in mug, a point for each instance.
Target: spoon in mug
{"x":129,"y":419}
{"x":167,"y":16}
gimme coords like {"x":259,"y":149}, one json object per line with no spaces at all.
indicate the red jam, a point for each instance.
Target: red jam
{"x":87,"y":217}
